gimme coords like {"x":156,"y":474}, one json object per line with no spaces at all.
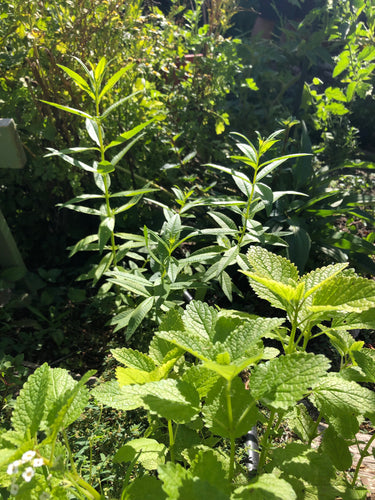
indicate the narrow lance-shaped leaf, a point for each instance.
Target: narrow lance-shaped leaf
{"x":70,"y":160}
{"x":81,"y":82}
{"x":113,"y":80}
{"x":68,"y":109}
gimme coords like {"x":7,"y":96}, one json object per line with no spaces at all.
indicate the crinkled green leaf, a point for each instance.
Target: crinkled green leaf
{"x":127,"y":376}
{"x":281,"y":382}
{"x":201,"y":378}
{"x":145,"y":488}
{"x":29,"y":408}
{"x":212,"y":466}
{"x":190,"y":342}
{"x":341,"y":401}
{"x":171,"y":399}
{"x":152,"y":453}
{"x":114,"y":396}
{"x":345,"y":294}
{"x":353,"y":321}
{"x":133,"y":358}
{"x":161,"y":350}
{"x":272,"y":266}
{"x":66,"y":397}
{"x":244,"y":411}
{"x":179,"y":483}
{"x":301,"y":423}
{"x":200,"y":318}
{"x":265,"y":487}
{"x":337,"y":448}
{"x":308,"y":465}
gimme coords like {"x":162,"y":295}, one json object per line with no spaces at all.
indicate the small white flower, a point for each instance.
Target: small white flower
{"x":38,"y":462}
{"x":26,"y":457}
{"x":12,"y":468}
{"x":14,"y":489}
{"x":28,"y":474}
{"x":44,"y":496}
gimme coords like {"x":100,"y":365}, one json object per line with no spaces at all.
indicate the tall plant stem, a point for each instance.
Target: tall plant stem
{"x":265,"y":441}
{"x":231,"y":430}
{"x":171,"y":440}
{"x":363,"y":454}
{"x":247,"y":213}
{"x":105,"y":182}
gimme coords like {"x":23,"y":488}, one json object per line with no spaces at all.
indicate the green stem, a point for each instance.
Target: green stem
{"x":249,"y":201}
{"x":88,"y":491}
{"x":363,"y":454}
{"x":265,"y":441}
{"x":291,"y":344}
{"x":72,"y":464}
{"x":171,"y":440}
{"x":231,"y":430}
{"x":314,"y":430}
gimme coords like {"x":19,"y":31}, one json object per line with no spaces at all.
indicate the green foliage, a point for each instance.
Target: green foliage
{"x":188,"y":384}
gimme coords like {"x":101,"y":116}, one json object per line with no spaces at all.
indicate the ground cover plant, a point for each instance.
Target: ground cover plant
{"x":166,"y":205}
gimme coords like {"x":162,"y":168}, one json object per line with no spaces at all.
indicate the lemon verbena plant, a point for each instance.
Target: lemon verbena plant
{"x":96,"y":87}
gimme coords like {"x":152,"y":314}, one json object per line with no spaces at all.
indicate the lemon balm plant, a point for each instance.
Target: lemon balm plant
{"x":198,"y":407}
{"x":97,"y":88}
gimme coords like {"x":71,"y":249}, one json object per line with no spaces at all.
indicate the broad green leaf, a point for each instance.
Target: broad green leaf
{"x":179,"y":485}
{"x":308,"y":465}
{"x":265,"y":487}
{"x":211,"y":466}
{"x":138,"y":315}
{"x":29,"y":407}
{"x":152,"y":453}
{"x":69,"y":159}
{"x":342,"y":64}
{"x":171,"y":399}
{"x":280,"y":295}
{"x":243,"y":409}
{"x":242,"y":340}
{"x":129,"y":376}
{"x":106,"y":229}
{"x":281,"y":382}
{"x":201,"y":378}
{"x":68,"y":109}
{"x":133,"y":358}
{"x":145,"y":488}
{"x":341,"y":401}
{"x":114,"y":396}
{"x":365,"y":358}
{"x":319,"y":277}
{"x":345,"y":294}
{"x":230,"y":369}
{"x":272,"y":266}
{"x":196,"y":344}
{"x":66,"y":398}
{"x":301,"y":423}
{"x":68,"y":407}
{"x":337,"y":448}
{"x":200,"y":319}
{"x":161,"y":350}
